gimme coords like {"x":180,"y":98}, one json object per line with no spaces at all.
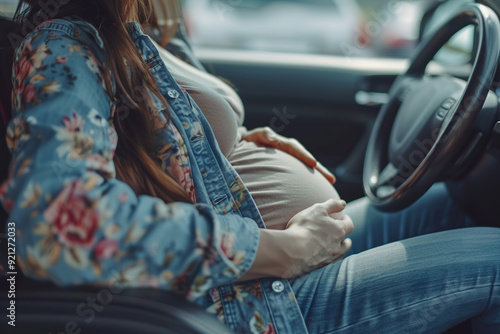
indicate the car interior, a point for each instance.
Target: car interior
{"x":355,"y":115}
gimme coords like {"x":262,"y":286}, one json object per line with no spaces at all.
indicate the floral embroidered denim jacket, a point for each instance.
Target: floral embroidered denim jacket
{"x":78,"y":224}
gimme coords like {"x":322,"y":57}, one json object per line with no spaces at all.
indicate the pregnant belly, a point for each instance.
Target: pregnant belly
{"x":280,"y":184}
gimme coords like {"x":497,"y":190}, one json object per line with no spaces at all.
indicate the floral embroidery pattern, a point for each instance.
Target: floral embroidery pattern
{"x":74,"y":220}
{"x":78,"y":224}
{"x":178,"y":166}
{"x":29,"y":62}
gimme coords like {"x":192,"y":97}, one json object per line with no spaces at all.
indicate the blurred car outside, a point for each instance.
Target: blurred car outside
{"x":8,"y":7}
{"x":298,"y":26}
{"x":399,"y":28}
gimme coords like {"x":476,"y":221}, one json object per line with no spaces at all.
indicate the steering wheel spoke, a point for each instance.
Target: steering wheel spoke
{"x":388,"y":181}
{"x":389,"y":176}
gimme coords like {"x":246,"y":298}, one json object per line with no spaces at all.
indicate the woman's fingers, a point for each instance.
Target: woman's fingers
{"x":255,"y":136}
{"x":320,"y":239}
{"x":294,"y":148}
{"x":290,"y":146}
{"x":267,"y":137}
{"x":326,"y":173}
{"x":345,"y":247}
{"x":348,"y":224}
{"x":339,"y":254}
{"x":333,"y":206}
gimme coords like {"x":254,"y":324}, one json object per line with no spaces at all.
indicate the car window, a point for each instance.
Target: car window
{"x":352,"y":28}
{"x":8,"y":7}
{"x":263,"y":3}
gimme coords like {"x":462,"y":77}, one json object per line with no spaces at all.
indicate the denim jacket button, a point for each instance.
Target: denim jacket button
{"x":173,"y":94}
{"x":278,"y":286}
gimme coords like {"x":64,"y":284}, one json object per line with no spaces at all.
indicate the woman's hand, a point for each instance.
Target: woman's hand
{"x":314,"y":238}
{"x":267,"y":137}
{"x":320,"y":232}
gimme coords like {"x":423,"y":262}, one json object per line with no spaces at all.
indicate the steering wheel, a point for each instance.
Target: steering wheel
{"x":426,"y":124}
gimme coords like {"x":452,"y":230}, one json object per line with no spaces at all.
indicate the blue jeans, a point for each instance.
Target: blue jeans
{"x":406,"y":275}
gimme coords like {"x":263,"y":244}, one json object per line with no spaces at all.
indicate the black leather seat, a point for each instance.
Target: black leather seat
{"x":45,"y":308}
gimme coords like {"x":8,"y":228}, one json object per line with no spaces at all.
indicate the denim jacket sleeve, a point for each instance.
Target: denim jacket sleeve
{"x":76,"y":222}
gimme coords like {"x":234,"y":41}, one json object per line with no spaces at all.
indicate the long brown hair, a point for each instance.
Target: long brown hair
{"x":135,"y":157}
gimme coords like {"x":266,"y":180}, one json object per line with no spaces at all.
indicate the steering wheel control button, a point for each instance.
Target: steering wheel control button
{"x":446,"y":107}
{"x":278,"y":286}
{"x":173,"y":94}
{"x":449,"y":103}
{"x":442,"y":113}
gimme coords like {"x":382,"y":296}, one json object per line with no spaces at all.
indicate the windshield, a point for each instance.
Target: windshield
{"x":351,"y":28}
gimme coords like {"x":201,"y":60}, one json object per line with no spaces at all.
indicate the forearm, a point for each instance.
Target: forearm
{"x":274,"y":256}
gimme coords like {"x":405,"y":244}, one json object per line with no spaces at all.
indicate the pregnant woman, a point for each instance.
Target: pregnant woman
{"x":117,"y":177}
{"x":277,"y":171}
